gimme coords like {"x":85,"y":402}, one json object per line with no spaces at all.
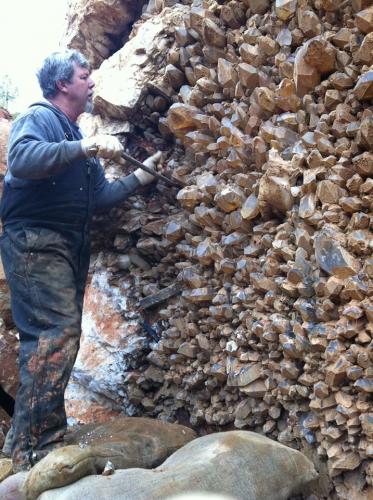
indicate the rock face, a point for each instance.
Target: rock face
{"x":140,"y":60}
{"x":225,"y":463}
{"x":107,"y":345}
{"x":263,"y":111}
{"x":99,"y":27}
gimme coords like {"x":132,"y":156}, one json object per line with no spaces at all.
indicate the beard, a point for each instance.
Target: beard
{"x":88,"y":108}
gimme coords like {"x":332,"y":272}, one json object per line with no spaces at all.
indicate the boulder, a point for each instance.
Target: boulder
{"x":329,"y":192}
{"x":182,"y":118}
{"x":285,"y":9}
{"x":212,"y":34}
{"x":321,"y":55}
{"x":315,"y":58}
{"x":364,"y":20}
{"x":365,"y":53}
{"x":309,"y":22}
{"x":11,"y":488}
{"x":229,"y":198}
{"x":364,"y":87}
{"x":241,"y":464}
{"x":97,"y":124}
{"x":365,"y":134}
{"x":250,"y":208}
{"x":306,"y":77}
{"x":6,"y":468}
{"x":258,"y":6}
{"x":364,"y":164}
{"x":248,"y":75}
{"x":125,"y":442}
{"x":275,"y":192}
{"x":332,"y":257}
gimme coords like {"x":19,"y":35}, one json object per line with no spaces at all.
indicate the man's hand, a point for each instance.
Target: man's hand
{"x":104,"y":146}
{"x":151,"y":162}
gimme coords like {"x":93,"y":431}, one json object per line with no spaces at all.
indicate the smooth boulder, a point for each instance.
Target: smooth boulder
{"x":241,"y":464}
{"x":125,"y":442}
{"x":12,"y":487}
{"x":6,"y":468}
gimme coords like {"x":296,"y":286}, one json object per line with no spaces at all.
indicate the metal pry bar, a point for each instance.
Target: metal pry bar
{"x":165,"y":179}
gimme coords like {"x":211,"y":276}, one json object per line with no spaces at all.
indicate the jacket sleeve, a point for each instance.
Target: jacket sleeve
{"x":31,"y":152}
{"x":109,"y":194}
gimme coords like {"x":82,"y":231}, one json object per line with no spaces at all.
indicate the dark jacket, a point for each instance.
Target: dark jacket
{"x":49,"y":181}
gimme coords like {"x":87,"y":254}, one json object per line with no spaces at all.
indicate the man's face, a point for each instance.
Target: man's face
{"x":80,"y":89}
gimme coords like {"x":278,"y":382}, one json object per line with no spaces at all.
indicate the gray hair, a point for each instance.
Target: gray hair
{"x":59,"y":66}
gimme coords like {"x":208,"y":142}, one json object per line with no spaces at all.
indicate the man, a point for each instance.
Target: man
{"x":53,"y":186}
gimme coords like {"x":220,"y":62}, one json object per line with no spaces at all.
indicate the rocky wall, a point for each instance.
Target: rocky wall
{"x":99,"y":27}
{"x":265,"y":256}
{"x":244,"y":299}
